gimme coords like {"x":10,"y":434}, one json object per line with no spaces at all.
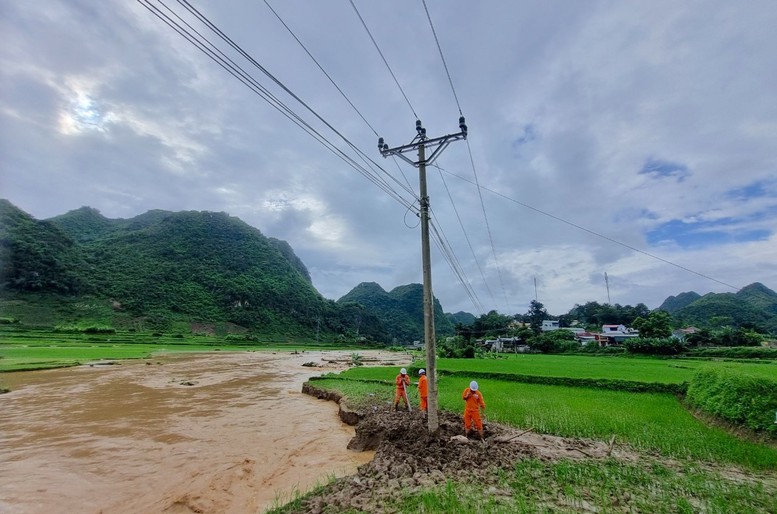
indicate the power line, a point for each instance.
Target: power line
{"x":320,"y":67}
{"x":445,"y":64}
{"x":235,"y":70}
{"x":488,"y":228}
{"x":472,"y":161}
{"x":447,"y":251}
{"x":383,"y":57}
{"x":280,"y":84}
{"x":466,"y":236}
{"x":592,"y":232}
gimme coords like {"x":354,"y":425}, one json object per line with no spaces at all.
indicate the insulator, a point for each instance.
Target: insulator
{"x":423,"y":131}
{"x":418,"y":126}
{"x":380,"y":143}
{"x":463,"y":128}
{"x":385,"y":148}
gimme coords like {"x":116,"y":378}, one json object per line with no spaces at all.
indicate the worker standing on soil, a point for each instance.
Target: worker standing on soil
{"x":474,"y":403}
{"x":423,"y":389}
{"x":402,"y":381}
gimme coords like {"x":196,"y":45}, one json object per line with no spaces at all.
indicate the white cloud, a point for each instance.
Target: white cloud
{"x":565,"y":103}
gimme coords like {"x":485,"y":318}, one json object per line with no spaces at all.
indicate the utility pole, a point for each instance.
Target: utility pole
{"x":607,"y":284}
{"x":420,"y":143}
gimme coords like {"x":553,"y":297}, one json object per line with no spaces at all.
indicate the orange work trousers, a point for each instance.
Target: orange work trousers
{"x":472,"y":418}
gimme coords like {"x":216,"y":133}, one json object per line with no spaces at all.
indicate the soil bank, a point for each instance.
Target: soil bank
{"x":217,"y":432}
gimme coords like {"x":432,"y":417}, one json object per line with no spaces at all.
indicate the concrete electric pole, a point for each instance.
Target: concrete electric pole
{"x":420,"y":143}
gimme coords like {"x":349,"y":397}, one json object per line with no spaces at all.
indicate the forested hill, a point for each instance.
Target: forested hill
{"x":400,"y":310}
{"x":675,"y":303}
{"x":164,"y":267}
{"x":753,"y":306}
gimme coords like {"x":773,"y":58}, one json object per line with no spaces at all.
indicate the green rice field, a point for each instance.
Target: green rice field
{"x":640,"y":369}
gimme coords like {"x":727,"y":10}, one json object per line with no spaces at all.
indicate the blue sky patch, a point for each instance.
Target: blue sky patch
{"x":658,"y":168}
{"x":755,"y":190}
{"x":529,"y":135}
{"x":704,"y":234}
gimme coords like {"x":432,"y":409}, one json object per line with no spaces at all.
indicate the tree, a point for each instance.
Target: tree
{"x":658,"y":324}
{"x":487,"y":325}
{"x":554,"y":341}
{"x":536,"y":315}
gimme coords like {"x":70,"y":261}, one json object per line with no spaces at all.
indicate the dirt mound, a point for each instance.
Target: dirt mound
{"x":408,"y":457}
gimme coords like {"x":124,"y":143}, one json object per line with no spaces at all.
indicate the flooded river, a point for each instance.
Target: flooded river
{"x":210,"y":433}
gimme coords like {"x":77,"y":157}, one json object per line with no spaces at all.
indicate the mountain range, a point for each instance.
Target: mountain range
{"x":164,"y":269}
{"x":753,"y":306}
{"x":172,"y":270}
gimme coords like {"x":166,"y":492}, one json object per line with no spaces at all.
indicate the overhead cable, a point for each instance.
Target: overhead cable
{"x":466,"y":236}
{"x":321,"y":67}
{"x":445,"y":64}
{"x":383,"y":57}
{"x":280,"y":84}
{"x":209,"y":49}
{"x":450,"y":257}
{"x":592,"y":232}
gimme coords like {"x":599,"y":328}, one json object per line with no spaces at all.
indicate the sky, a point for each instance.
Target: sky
{"x":632,"y":138}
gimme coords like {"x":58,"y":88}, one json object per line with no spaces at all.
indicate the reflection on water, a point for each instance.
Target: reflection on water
{"x":207,"y":433}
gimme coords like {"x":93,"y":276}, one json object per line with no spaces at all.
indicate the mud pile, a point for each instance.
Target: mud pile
{"x":409,"y":458}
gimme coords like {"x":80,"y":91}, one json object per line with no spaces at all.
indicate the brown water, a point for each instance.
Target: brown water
{"x":133,"y":438}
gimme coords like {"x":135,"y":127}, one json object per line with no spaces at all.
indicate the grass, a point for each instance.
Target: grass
{"x":642,"y":370}
{"x":619,"y":368}
{"x":649,"y":422}
{"x":22,"y":350}
{"x":535,"y":486}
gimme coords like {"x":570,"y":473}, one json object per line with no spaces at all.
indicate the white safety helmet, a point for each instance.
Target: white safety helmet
{"x":422,"y":371}
{"x":473,"y":386}
{"x":403,"y":371}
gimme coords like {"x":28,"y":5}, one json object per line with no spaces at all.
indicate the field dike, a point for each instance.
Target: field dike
{"x":408,"y":458}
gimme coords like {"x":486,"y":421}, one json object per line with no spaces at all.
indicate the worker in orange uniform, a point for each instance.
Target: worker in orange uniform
{"x":423,"y":389}
{"x":474,"y":403}
{"x":402,"y":381}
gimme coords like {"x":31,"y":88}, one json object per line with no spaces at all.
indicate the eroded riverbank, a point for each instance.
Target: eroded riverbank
{"x":220,"y":432}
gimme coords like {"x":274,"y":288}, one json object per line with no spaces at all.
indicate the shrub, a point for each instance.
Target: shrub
{"x":736,"y":397}
{"x":555,"y":341}
{"x":735,"y":352}
{"x":90,"y":329}
{"x":654,"y":345}
{"x":99,"y":329}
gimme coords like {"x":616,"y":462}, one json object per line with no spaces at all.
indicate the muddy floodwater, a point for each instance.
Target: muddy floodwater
{"x":211,"y":433}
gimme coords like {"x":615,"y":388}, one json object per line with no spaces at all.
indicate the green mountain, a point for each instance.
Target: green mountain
{"x":37,"y":256}
{"x":162,"y":268}
{"x":464,"y":318}
{"x":754,"y":306}
{"x":675,"y":303}
{"x":401,"y":310}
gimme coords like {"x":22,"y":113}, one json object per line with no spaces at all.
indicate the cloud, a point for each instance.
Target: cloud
{"x":595,"y":130}
{"x":657,"y":168}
